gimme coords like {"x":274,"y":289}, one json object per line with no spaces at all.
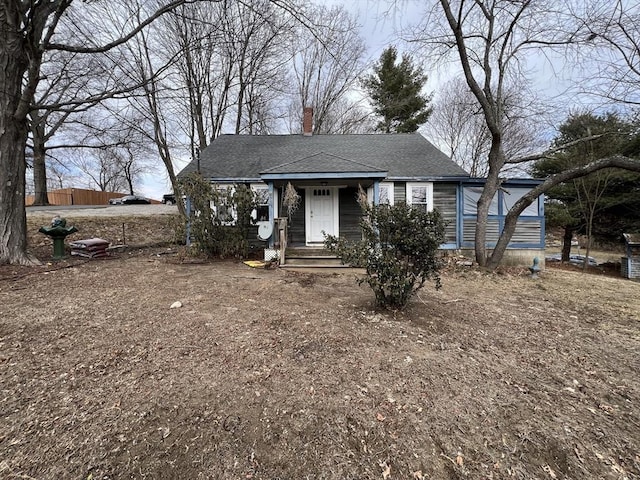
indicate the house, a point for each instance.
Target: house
{"x":327,"y":170}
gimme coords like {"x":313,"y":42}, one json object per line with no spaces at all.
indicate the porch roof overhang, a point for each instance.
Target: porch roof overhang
{"x":322,"y":175}
{"x":322,"y":166}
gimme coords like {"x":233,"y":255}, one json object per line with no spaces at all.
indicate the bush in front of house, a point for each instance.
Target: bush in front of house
{"x":220,"y":216}
{"x":399,"y":251}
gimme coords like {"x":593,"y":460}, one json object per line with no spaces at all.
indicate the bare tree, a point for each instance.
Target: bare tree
{"x":326,"y":69}
{"x":69,"y":85}
{"x":27,"y":31}
{"x":614,"y":39}
{"x":99,"y":170}
{"x":458,"y":125}
{"x":492,"y":39}
{"x":257,"y":33}
{"x":115,"y":148}
{"x":193,"y":38}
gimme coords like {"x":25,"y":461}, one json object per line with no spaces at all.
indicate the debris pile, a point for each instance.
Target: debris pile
{"x":90,"y":248}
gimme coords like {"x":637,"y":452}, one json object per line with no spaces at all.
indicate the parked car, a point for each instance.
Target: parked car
{"x":134,"y":199}
{"x":169,"y":199}
{"x":115,"y":201}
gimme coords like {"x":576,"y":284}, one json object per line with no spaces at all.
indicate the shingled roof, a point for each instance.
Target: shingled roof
{"x":247,"y":157}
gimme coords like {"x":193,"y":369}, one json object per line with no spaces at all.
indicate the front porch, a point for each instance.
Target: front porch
{"x":299,"y":254}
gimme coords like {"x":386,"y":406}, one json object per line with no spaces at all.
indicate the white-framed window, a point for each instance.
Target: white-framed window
{"x":420,"y":195}
{"x":386,"y":193}
{"x":223,"y":210}
{"x":262,"y":201}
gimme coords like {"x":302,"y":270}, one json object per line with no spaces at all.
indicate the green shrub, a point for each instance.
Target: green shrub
{"x":399,"y":251}
{"x":220,"y":216}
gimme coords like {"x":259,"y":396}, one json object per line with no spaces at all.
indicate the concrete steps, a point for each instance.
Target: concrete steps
{"x":311,"y":257}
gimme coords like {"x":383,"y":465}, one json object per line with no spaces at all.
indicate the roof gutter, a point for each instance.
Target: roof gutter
{"x":325,"y":175}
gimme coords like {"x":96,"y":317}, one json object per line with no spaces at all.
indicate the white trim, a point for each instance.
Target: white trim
{"x":276,"y":202}
{"x":429,"y":193}
{"x":308,"y":195}
{"x":225,"y":190}
{"x":261,"y":186}
{"x":381,"y":185}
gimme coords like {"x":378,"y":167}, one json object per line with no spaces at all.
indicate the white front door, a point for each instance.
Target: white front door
{"x":321,"y":213}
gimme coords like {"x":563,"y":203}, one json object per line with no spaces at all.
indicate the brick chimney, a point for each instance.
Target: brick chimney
{"x":307,"y":121}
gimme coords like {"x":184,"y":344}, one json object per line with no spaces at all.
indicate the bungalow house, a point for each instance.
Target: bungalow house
{"x":327,"y":170}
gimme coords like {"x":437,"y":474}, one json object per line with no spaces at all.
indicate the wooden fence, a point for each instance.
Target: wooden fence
{"x":77,"y":196}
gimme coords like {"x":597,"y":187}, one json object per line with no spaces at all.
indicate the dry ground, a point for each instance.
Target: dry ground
{"x":273,"y":374}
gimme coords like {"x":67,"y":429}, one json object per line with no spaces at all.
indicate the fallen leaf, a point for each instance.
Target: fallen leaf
{"x":380,"y":417}
{"x":606,"y":408}
{"x":575,"y":449}
{"x":550,"y":471}
{"x":386,"y":470}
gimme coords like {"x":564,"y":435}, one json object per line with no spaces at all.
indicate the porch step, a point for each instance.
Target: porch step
{"x":312,"y":257}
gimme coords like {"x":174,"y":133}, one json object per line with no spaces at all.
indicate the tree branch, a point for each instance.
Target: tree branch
{"x":547,"y":153}
{"x":105,"y":48}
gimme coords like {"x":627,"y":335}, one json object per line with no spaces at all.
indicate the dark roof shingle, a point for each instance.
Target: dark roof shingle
{"x":247,"y":156}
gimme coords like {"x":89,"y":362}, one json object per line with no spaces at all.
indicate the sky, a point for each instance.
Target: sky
{"x":377,"y":28}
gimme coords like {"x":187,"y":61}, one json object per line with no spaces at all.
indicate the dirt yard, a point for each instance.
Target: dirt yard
{"x":275,"y":374}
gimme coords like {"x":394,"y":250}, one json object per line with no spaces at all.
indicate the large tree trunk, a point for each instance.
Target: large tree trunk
{"x":13,"y":140}
{"x":481,"y":228}
{"x":566,"y":243}
{"x":39,"y":174}
{"x":13,"y":215}
{"x":489,"y":190}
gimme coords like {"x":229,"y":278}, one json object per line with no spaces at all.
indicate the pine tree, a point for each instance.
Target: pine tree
{"x":395,"y":89}
{"x":604,"y":203}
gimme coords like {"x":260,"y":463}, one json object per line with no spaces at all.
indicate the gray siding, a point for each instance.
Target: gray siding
{"x":527,"y":232}
{"x":350,"y":214}
{"x":445,"y":199}
{"x":399,"y":192}
{"x":469,"y":231}
{"x":630,"y":267}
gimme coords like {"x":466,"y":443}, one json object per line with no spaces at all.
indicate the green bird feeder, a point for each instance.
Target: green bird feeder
{"x":58,"y":231}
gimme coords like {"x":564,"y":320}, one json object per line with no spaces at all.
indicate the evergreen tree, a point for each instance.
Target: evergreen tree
{"x":395,"y":89}
{"x":605,"y":203}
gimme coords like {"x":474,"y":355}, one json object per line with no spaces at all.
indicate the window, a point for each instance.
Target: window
{"x":222,"y":204}
{"x":385,"y":192}
{"x":471,"y":197}
{"x":511,"y":195}
{"x":420,"y":195}
{"x":262,"y":202}
{"x":507,"y":195}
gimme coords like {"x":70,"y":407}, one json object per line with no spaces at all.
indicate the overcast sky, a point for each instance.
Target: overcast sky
{"x":377,"y":28}
{"x":379,"y":24}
